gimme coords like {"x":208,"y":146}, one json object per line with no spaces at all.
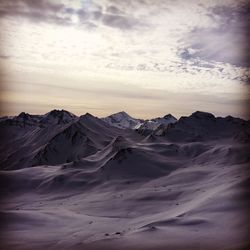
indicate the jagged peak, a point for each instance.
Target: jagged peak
{"x":87,"y":116}
{"x":58,"y":112}
{"x":169,"y":116}
{"x":23,"y":115}
{"x":122,"y":120}
{"x":231,"y":118}
{"x":121,"y":113}
{"x":201,"y":114}
{"x":91,"y":119}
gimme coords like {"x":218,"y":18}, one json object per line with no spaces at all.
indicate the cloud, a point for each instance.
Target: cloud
{"x":90,"y":15}
{"x":119,"y":21}
{"x":36,"y":11}
{"x":227,"y":42}
{"x":4,"y":57}
{"x":114,"y":10}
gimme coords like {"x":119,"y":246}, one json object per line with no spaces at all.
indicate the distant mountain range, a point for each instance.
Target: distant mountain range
{"x":60,"y":137}
{"x":123,"y":120}
{"x":120,"y":120}
{"x":114,"y":181}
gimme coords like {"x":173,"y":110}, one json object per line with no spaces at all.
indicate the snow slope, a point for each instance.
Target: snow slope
{"x":150,"y":125}
{"x":122,"y":120}
{"x":52,"y":140}
{"x":95,"y":186}
{"x":203,"y":126}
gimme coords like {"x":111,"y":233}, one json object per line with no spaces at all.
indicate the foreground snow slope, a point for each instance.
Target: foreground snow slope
{"x":184,"y":186}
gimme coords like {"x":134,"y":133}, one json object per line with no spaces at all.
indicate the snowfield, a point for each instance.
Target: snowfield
{"x":71,"y":182}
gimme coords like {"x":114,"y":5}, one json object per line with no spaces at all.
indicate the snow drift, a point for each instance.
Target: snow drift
{"x":87,"y":183}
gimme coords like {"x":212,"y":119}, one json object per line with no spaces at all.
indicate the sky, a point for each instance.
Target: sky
{"x":148,"y":58}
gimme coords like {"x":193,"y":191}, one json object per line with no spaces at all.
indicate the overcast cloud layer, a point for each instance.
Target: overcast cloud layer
{"x":146,"y":57}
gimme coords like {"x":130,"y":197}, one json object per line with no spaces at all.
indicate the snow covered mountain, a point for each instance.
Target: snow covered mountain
{"x":21,"y":120}
{"x":54,"y":138}
{"x":84,"y":183}
{"x":54,"y":117}
{"x":149,"y":125}
{"x":122,"y":120}
{"x":203,"y":126}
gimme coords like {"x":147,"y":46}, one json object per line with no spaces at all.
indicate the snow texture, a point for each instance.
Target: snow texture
{"x":73,"y":182}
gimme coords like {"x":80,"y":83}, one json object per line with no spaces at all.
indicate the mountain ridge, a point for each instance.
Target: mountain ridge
{"x":71,"y":175}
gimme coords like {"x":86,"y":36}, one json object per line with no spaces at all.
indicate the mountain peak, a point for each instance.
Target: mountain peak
{"x":201,"y":114}
{"x":149,"y":125}
{"x":121,"y":113}
{"x":57,"y":112}
{"x":87,"y":116}
{"x":23,"y":115}
{"x":169,"y":116}
{"x":56,"y":116}
{"x":122,"y":120}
